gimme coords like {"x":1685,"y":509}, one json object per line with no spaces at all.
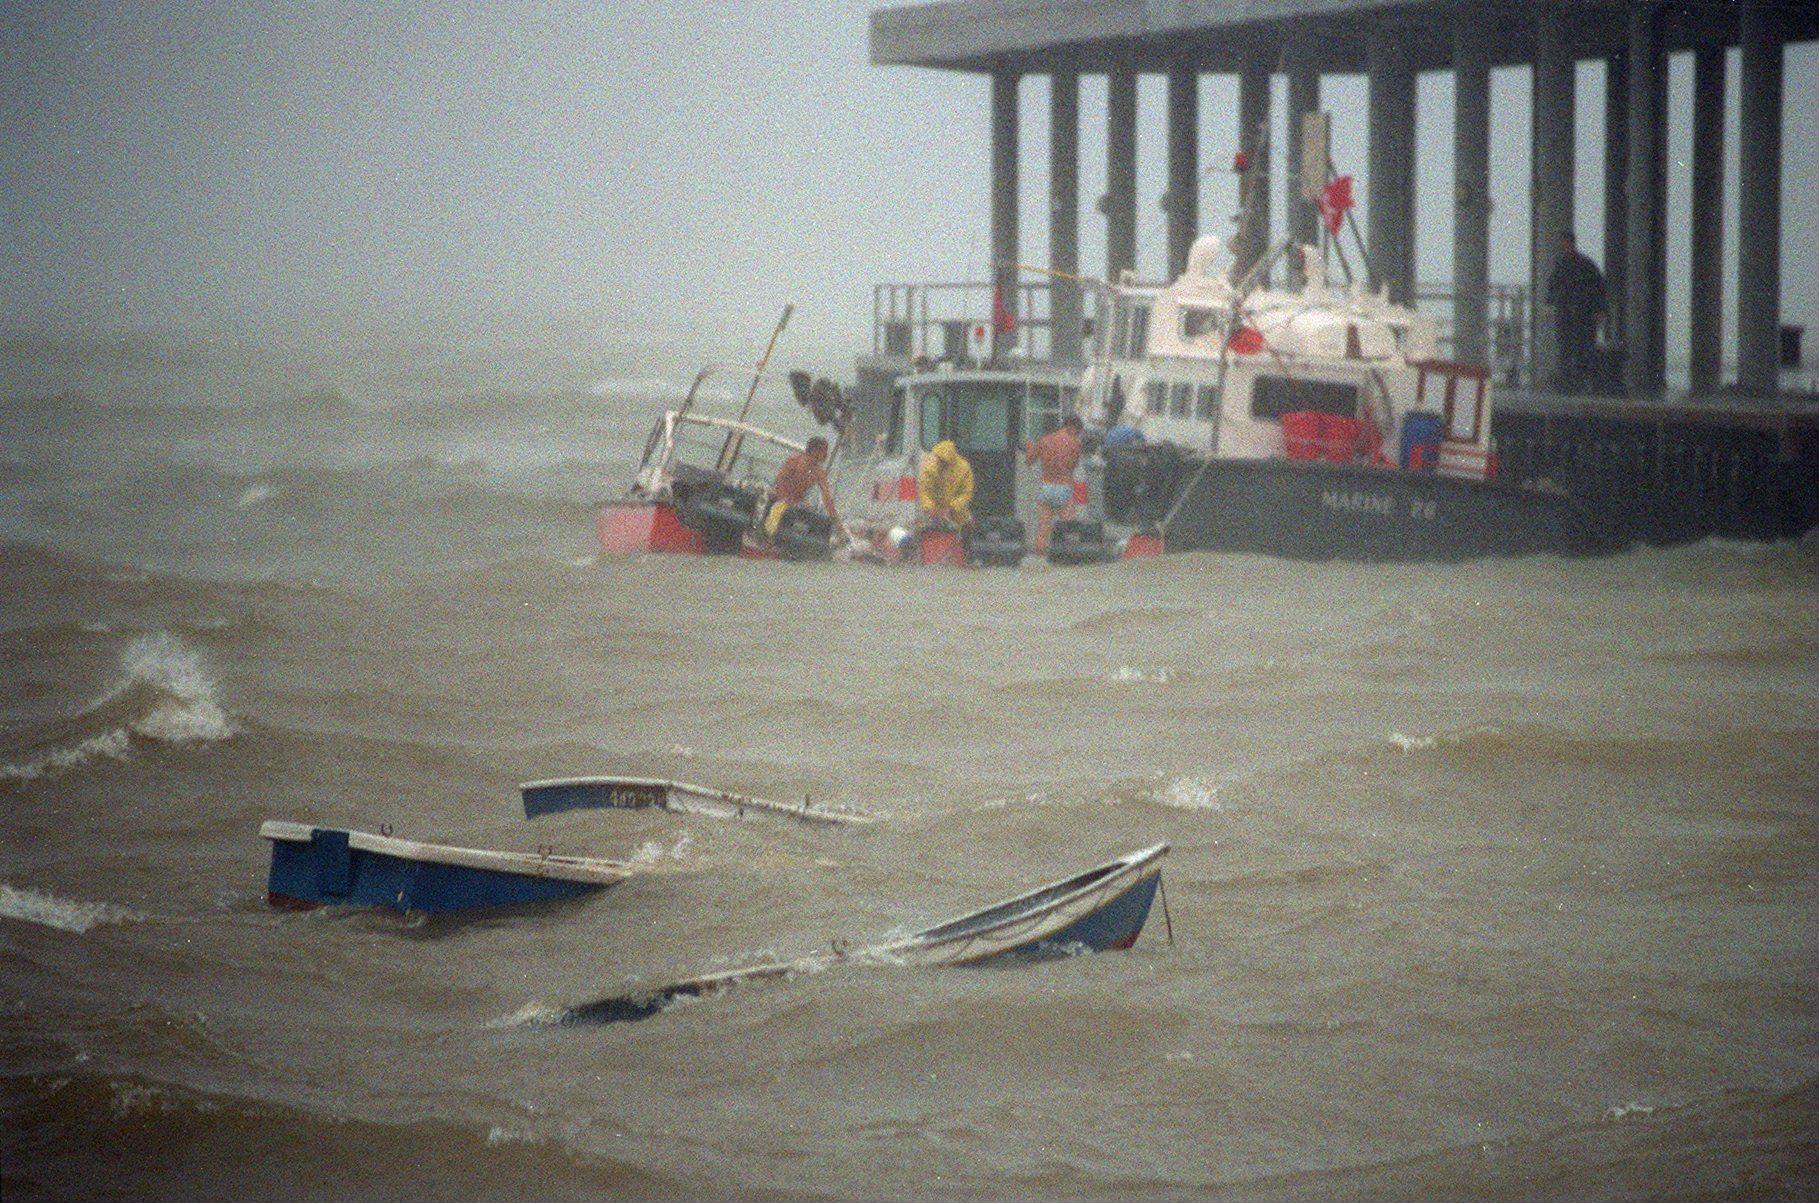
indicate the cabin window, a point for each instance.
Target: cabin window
{"x":1140,"y":330}
{"x":1206,"y":402}
{"x":1155,"y":398}
{"x":1180,"y":399}
{"x":982,"y":421}
{"x":893,"y":435}
{"x":1042,"y":412}
{"x":928,"y":425}
{"x":1273,"y":396}
{"x":1198,"y":323}
{"x":1464,"y":406}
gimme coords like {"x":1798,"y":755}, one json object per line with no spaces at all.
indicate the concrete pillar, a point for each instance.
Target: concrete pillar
{"x":1183,"y":197}
{"x":1303,"y":98}
{"x":1706,"y":336}
{"x":1392,"y":162}
{"x":1065,"y":308}
{"x":1253,"y":129}
{"x":1616,"y":178}
{"x":1120,"y":203}
{"x":1471,"y":189}
{"x":1004,"y":200}
{"x":1551,"y":212}
{"x":1644,"y":374}
{"x":1759,"y":198}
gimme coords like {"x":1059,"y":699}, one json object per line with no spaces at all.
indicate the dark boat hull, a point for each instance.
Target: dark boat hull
{"x":1321,"y":511}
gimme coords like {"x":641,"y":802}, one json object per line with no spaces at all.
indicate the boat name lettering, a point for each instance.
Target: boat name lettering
{"x":1358,"y":502}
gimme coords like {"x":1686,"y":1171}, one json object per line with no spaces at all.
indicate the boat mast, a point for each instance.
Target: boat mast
{"x":730,"y":451}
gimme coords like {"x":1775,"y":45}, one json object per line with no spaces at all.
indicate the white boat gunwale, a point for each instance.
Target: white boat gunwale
{"x":533,"y":864}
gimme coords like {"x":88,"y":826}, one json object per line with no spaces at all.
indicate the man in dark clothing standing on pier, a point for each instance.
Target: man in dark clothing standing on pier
{"x":1576,"y":291}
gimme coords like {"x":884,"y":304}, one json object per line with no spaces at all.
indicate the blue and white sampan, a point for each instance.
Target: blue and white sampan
{"x":319,"y":866}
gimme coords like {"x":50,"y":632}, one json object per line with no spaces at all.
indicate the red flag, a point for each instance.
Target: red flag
{"x":1241,"y":162}
{"x":1004,"y":322}
{"x":1246,"y":340}
{"x":1335,"y":202}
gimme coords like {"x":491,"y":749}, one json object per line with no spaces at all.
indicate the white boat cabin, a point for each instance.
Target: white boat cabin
{"x":1213,"y":369}
{"x":989,"y":415}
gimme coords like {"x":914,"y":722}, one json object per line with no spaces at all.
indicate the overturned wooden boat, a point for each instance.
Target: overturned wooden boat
{"x":1102,"y":908}
{"x":638,"y":793}
{"x":320,"y":866}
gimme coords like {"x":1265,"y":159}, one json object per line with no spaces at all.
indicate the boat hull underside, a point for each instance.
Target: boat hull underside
{"x":308,"y":875}
{"x":1315,"y":511}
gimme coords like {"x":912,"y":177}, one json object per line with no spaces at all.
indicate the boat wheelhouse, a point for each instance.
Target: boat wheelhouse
{"x":1313,"y":423}
{"x":989,"y":414}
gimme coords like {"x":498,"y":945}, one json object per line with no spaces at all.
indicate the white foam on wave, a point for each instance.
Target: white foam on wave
{"x":1626,"y":1110}
{"x":1190,"y":793}
{"x":254,"y":495}
{"x":188,"y":711}
{"x":653,"y":851}
{"x":1413,"y":743}
{"x":497,"y":1135}
{"x":1130,"y":673}
{"x":180,"y":707}
{"x":530,"y":1015}
{"x":64,"y":914}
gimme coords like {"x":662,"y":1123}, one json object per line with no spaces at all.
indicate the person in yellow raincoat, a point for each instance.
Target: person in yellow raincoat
{"x":945,"y":485}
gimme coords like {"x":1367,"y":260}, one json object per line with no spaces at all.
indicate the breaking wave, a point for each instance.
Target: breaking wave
{"x":168,"y":696}
{"x":64,"y":914}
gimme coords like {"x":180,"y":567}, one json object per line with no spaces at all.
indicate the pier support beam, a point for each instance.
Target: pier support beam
{"x":1004,"y":201}
{"x":1065,"y":308}
{"x":1303,"y":98}
{"x":1120,"y":202}
{"x":1183,"y":197}
{"x":1706,"y":336}
{"x":1644,"y":373}
{"x":1471,"y":190}
{"x":1392,"y":162}
{"x":1553,"y":170}
{"x":1616,"y":203}
{"x":1253,"y":129}
{"x":1759,"y":198}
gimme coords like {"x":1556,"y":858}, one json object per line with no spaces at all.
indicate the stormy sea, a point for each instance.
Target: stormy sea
{"x":1493,"y":881}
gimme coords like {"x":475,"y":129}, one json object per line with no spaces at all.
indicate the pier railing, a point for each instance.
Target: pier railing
{"x":952,"y":321}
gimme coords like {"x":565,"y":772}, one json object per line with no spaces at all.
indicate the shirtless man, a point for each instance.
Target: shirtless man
{"x":1058,"y":452}
{"x":800,"y":471}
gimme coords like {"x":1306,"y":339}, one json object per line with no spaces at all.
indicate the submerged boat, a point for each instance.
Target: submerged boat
{"x":704,"y":480}
{"x":1102,"y":908}
{"x":319,"y":866}
{"x":1313,"y":423}
{"x":639,"y":793}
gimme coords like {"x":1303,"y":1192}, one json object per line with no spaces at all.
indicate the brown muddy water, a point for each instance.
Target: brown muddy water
{"x":1489,"y":881}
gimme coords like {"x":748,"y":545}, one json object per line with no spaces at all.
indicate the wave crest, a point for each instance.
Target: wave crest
{"x":167,"y":696}
{"x":64,"y":914}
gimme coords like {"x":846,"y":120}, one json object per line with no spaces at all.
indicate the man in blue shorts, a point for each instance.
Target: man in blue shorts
{"x":1058,"y":452}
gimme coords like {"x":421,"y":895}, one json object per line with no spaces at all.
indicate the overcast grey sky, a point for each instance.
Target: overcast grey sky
{"x":606,"y":170}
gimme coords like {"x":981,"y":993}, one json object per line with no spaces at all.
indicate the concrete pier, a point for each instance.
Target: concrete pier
{"x":1646,"y":189}
{"x":1552,"y":174}
{"x":1471,"y":191}
{"x":1182,"y":199}
{"x":1759,"y":187}
{"x":1066,"y":310}
{"x":1390,"y":41}
{"x":1705,"y":267}
{"x":1120,"y":205}
{"x":1303,"y":98}
{"x":1253,"y":131}
{"x":1004,"y":200}
{"x":1391,"y":204}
